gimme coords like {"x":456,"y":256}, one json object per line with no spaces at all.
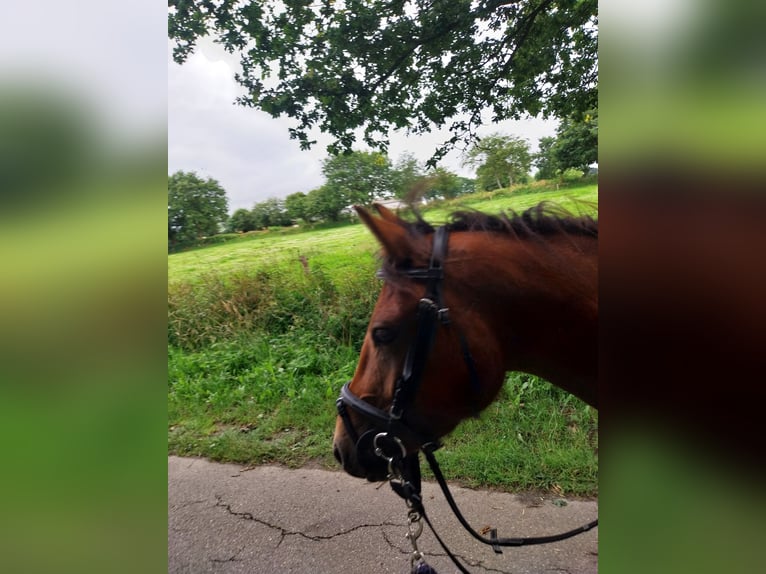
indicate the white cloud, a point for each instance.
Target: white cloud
{"x":247,"y":151}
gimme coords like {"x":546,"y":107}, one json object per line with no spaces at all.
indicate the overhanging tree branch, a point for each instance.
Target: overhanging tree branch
{"x":378,"y":65}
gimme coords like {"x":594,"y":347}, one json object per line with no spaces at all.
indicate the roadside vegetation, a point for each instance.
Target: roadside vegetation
{"x":264,"y":330}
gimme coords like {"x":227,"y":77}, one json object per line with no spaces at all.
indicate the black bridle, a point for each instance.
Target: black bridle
{"x":431,"y":312}
{"x":392,"y":429}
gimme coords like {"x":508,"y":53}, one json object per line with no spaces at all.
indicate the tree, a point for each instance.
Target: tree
{"x":359,"y":177}
{"x":545,"y":158}
{"x":405,"y":174}
{"x":241,"y":221}
{"x":500,"y":161}
{"x":467,"y":185}
{"x":325,"y":204}
{"x":270,"y":213}
{"x":195,"y":207}
{"x":377,"y":65}
{"x":296,"y":206}
{"x":577,"y":142}
{"x":444,"y":184}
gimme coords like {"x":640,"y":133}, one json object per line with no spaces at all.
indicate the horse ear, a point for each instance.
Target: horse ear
{"x":386,"y":213}
{"x":387,"y":229}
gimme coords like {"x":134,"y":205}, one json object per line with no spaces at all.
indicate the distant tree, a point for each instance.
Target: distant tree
{"x":325,"y":204}
{"x":545,"y":158}
{"x":196,"y":207}
{"x":296,"y":206}
{"x":359,"y":177}
{"x":439,"y":184}
{"x":500,"y":161}
{"x":241,"y":221}
{"x":467,"y":185}
{"x":577,"y":142}
{"x":270,"y":213}
{"x":260,"y":215}
{"x":444,"y":184}
{"x":405,"y":173}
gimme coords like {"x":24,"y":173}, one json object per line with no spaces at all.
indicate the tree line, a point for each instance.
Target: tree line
{"x":355,"y":178}
{"x":198,"y":208}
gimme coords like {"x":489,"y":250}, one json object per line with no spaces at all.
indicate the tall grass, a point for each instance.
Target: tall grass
{"x":257,"y":398}
{"x":222,"y":307}
{"x":256,"y":360}
{"x":535,"y":436}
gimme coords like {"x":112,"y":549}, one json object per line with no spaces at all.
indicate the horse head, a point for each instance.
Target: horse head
{"x":437,"y":345}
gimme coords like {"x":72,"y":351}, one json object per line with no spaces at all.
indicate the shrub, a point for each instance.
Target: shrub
{"x":570,"y":175}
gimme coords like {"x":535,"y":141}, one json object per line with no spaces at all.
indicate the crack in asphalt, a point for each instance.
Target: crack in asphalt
{"x":284,"y":532}
{"x":232,"y":558}
{"x":179,"y":505}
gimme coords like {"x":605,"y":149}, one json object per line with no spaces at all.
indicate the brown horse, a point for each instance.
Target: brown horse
{"x":514,"y":293}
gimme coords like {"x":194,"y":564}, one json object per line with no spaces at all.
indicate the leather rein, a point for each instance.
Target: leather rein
{"x":388,"y":444}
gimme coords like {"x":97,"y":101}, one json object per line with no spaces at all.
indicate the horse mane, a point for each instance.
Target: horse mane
{"x":542,"y":220}
{"x":535,"y":223}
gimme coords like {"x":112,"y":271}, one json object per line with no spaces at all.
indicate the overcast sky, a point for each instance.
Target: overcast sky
{"x":250,"y":153}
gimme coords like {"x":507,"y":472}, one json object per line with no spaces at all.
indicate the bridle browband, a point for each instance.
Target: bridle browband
{"x":391,"y":429}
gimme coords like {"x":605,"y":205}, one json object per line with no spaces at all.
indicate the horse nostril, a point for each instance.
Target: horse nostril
{"x":336,"y":452}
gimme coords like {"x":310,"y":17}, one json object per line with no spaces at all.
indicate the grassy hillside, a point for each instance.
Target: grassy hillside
{"x":259,"y":345}
{"x":341,"y":248}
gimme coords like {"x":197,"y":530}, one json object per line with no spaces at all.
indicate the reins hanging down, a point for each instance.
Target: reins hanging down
{"x":495,"y":541}
{"x":404,"y":479}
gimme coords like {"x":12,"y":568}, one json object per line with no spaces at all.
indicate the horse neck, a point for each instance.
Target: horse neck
{"x":539,"y":300}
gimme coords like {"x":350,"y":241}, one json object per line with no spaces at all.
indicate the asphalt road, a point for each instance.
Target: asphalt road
{"x":226,"y":518}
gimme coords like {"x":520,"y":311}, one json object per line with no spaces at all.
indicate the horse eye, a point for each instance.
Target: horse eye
{"x":383,"y":335}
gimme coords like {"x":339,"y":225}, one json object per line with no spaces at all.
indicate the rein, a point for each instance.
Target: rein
{"x":404,"y":469}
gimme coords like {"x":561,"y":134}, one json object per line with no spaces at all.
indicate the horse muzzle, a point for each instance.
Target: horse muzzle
{"x":359,"y":458}
{"x":361,"y":453}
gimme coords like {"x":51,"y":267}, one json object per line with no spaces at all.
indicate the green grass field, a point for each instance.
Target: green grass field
{"x":258,"y":350}
{"x":341,"y":248}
